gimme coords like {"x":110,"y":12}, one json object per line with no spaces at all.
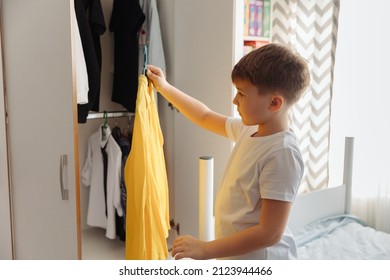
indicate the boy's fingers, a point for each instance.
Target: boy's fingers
{"x":151,"y":75}
{"x":153,"y":68}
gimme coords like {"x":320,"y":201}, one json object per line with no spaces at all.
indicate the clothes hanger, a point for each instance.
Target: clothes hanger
{"x":104,"y":126}
{"x":105,"y":116}
{"x":145,"y":60}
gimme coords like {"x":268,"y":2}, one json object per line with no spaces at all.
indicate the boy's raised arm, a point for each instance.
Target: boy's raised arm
{"x":194,"y":110}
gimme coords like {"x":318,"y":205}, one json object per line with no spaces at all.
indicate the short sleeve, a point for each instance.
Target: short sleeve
{"x":234,"y":127}
{"x":96,"y":17}
{"x":281,"y":175}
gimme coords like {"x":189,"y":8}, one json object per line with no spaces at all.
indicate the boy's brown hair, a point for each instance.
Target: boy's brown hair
{"x":275,"y":67}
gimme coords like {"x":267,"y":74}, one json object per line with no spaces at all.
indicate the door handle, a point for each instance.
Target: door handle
{"x":64,"y":177}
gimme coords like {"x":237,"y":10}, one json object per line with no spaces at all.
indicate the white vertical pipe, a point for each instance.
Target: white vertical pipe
{"x":348,"y":167}
{"x":206,"y":179}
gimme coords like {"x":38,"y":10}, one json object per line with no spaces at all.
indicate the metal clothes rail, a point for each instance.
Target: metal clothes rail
{"x":117,"y":114}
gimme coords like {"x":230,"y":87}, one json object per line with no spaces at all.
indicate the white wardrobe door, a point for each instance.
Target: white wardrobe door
{"x":38,"y":71}
{"x":5,"y":217}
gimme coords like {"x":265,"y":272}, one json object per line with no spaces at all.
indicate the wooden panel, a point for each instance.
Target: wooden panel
{"x":5,"y":213}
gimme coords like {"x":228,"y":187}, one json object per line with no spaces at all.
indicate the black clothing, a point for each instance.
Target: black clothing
{"x":126,"y":20}
{"x":90,"y":20}
{"x":124,"y":143}
{"x":105,"y":170}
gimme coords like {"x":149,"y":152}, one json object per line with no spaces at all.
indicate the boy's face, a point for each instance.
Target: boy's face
{"x":251,"y":105}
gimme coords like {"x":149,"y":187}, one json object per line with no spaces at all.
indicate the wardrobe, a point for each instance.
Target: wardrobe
{"x":43,"y":148}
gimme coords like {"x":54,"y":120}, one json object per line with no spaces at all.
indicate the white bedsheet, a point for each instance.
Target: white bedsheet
{"x":342,"y":237}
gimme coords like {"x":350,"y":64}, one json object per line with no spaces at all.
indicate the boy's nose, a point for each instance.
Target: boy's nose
{"x":235,"y":100}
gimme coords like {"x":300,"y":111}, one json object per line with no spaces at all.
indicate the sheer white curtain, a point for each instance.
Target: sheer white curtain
{"x":360,"y":107}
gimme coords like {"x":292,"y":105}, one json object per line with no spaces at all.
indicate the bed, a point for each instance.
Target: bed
{"x":325,"y":229}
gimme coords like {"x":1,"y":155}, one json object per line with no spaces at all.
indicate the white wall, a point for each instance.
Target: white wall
{"x":361,"y":97}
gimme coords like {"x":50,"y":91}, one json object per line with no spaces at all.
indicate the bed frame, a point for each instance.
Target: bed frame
{"x":332,"y":201}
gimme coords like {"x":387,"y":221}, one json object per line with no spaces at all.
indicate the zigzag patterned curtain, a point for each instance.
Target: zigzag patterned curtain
{"x":310,"y":27}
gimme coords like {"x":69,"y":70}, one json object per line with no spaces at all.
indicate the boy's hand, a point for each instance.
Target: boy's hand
{"x":156,"y":75}
{"x":189,"y":247}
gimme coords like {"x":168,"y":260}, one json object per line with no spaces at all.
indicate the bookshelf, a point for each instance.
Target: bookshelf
{"x":257,"y":24}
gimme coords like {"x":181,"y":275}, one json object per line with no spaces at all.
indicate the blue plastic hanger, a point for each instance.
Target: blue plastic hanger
{"x":145,"y":60}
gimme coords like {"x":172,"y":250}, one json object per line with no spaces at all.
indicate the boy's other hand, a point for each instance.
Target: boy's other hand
{"x":189,"y":247}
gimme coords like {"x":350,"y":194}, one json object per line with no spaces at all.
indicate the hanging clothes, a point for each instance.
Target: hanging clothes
{"x":91,"y":24}
{"x":150,"y":35}
{"x":82,"y":87}
{"x":102,"y":173}
{"x":124,"y":142}
{"x":147,"y":224}
{"x":126,"y":20}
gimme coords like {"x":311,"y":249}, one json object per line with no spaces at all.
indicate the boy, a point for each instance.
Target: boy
{"x":264,"y":171}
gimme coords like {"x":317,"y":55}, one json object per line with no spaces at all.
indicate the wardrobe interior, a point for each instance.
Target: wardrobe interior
{"x":95,"y":244}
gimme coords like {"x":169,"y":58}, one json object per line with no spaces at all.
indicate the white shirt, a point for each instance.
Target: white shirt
{"x":268,"y":167}
{"x":82,"y":85}
{"x":93,"y":176}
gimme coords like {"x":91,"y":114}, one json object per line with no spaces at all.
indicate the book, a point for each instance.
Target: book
{"x":252,"y":18}
{"x":267,"y":18}
{"x":246,"y":17}
{"x":255,"y":44}
{"x":259,"y":18}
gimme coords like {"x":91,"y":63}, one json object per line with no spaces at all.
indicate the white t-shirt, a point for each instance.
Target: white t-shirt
{"x":93,"y":176}
{"x":268,"y":167}
{"x":82,"y":85}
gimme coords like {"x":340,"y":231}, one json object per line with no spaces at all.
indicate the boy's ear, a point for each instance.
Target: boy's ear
{"x":276,"y":103}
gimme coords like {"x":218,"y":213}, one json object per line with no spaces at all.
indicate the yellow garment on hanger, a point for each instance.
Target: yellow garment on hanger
{"x":147,"y":215}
